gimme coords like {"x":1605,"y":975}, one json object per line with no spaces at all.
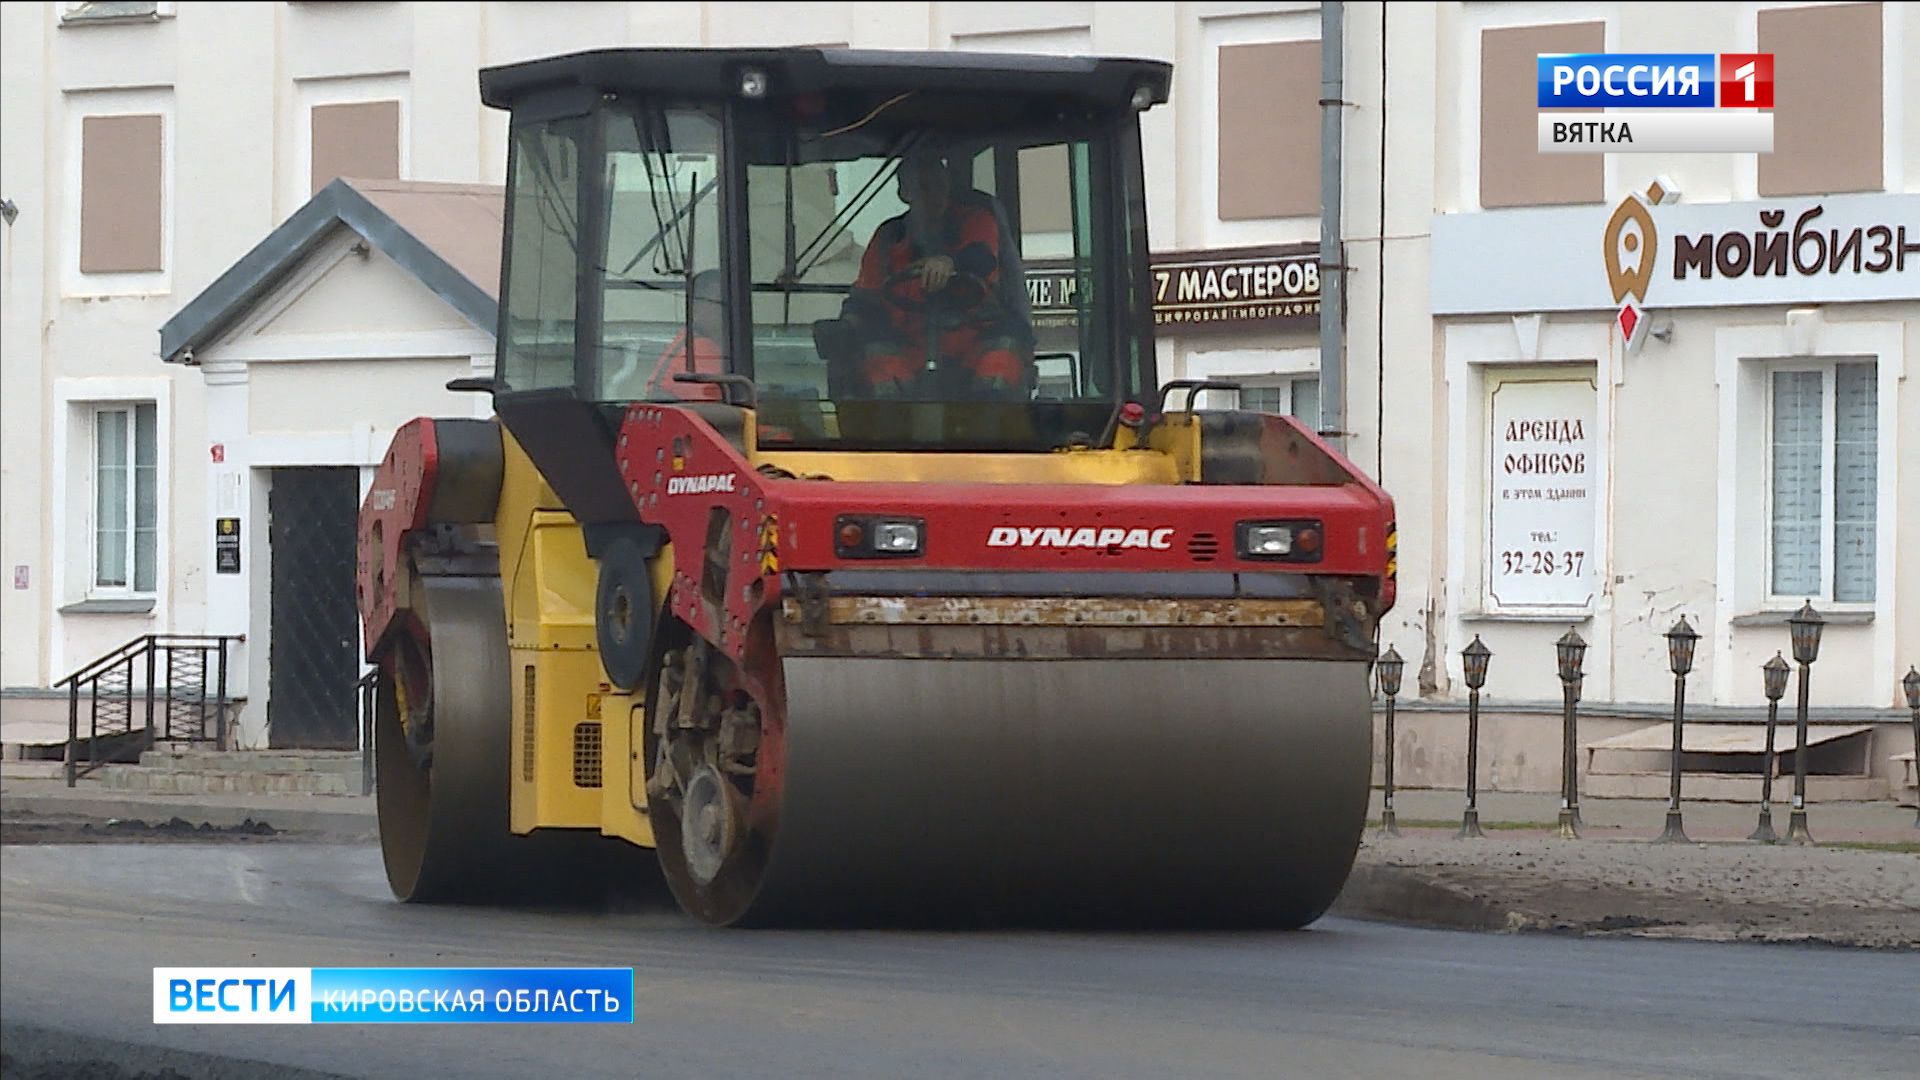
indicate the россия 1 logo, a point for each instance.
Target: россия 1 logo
{"x":1679,"y":102}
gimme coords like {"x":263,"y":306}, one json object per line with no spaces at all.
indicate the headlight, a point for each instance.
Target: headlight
{"x":1279,"y":541}
{"x":1269,"y":540}
{"x":857,"y":536}
{"x":895,"y":537}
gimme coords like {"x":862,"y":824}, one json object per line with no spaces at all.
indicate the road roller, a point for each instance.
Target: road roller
{"x":831,"y":548}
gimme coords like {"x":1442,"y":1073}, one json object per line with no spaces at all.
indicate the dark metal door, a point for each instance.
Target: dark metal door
{"x":313,"y":661}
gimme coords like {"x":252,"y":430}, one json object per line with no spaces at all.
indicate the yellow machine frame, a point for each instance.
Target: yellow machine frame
{"x":576,"y":761}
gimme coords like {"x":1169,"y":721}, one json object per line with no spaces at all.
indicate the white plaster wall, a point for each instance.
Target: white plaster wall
{"x":233,"y":73}
{"x":289,"y":387}
{"x":228,"y":75}
{"x":1669,"y":473}
{"x":1681,"y":530}
{"x":446,"y":131}
{"x":321,"y":41}
{"x":352,"y":395}
{"x":362,"y":292}
{"x":25,"y":534}
{"x":516,"y":32}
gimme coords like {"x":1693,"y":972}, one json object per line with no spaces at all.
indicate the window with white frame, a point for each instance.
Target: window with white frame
{"x":126,"y":498}
{"x":1296,"y":396}
{"x":1822,"y":481}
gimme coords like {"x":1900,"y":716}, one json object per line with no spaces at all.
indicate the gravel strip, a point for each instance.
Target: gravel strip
{"x":1710,"y":891}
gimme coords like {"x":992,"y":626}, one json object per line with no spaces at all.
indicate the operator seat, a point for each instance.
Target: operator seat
{"x":1013,"y":271}
{"x":1013,"y":296}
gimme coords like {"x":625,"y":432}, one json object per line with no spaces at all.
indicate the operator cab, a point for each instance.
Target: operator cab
{"x":851,"y":244}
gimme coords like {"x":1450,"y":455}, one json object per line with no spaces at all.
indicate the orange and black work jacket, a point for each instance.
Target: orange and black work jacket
{"x":970,"y":236}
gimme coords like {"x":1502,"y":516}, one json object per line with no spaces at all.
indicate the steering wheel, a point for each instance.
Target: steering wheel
{"x":890,"y":288}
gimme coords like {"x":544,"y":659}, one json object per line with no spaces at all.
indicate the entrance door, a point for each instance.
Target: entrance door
{"x":313,"y":660}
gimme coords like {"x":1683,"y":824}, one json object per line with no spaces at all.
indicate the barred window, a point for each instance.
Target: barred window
{"x":1823,"y":489}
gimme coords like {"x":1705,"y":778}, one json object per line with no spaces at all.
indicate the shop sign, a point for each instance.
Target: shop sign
{"x":1541,"y":488}
{"x":1224,"y":289}
{"x":1653,"y":251}
{"x":226,"y":545}
{"x":1270,"y":288}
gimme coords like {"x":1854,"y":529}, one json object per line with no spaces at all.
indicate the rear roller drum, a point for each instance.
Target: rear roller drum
{"x":442,"y":736}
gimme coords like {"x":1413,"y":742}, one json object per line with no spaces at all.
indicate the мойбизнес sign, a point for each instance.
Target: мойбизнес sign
{"x":1764,"y":251}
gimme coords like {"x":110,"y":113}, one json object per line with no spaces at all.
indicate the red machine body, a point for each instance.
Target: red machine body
{"x":436,"y":473}
{"x":395,"y":505}
{"x":737,"y":532}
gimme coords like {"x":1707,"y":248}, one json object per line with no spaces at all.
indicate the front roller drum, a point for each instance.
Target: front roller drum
{"x":442,"y":744}
{"x":1172,"y":793}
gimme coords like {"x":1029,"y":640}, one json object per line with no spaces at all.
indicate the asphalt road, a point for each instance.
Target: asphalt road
{"x":82,"y":926}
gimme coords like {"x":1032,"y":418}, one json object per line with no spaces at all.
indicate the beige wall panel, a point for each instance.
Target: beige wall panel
{"x":1513,"y":172}
{"x":1269,"y":130}
{"x":1827,"y":115}
{"x":359,"y":140}
{"x":121,"y":187}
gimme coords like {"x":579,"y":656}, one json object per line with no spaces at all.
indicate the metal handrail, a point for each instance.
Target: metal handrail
{"x":121,"y":662}
{"x":108,"y":660}
{"x":368,"y":689}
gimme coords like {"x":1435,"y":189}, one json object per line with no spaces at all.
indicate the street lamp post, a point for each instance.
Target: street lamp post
{"x":1680,"y":641}
{"x":1912,"y":686}
{"x":1805,"y":627}
{"x":1389,"y":666}
{"x":1474,"y":661}
{"x":1571,"y":650}
{"x":1775,"y":673}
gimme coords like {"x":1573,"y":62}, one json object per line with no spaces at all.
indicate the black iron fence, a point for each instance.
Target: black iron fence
{"x":1804,"y":629}
{"x":157,"y":686}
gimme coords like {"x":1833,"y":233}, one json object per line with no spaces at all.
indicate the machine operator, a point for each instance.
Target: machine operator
{"x":928,"y":298}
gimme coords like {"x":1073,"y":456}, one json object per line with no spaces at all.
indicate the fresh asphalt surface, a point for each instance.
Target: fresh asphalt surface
{"x":82,"y":926}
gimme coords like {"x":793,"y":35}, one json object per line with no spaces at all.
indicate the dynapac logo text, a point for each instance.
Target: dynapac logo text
{"x":1008,"y":536}
{"x":700,"y":485}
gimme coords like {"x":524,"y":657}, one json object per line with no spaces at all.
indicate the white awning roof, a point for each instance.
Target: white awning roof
{"x":1727,"y":738}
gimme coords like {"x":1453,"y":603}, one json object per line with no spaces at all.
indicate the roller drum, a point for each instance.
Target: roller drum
{"x":445,"y":830}
{"x":1189,"y":793}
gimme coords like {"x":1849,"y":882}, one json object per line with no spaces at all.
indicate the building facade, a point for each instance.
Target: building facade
{"x":1732,"y":453}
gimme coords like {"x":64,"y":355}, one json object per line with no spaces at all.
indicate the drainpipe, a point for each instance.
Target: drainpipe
{"x":1333,"y":389}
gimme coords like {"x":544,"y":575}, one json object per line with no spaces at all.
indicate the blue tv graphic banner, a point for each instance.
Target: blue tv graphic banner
{"x":1636,"y":80}
{"x":393,"y":995}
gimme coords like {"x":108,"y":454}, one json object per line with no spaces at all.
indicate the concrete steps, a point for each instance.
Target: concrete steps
{"x":33,"y":770}
{"x":238,"y":772}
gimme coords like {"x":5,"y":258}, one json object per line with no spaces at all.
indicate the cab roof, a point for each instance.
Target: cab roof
{"x":1103,"y":82}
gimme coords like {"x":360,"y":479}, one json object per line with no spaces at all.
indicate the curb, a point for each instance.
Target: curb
{"x":339,"y":824}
